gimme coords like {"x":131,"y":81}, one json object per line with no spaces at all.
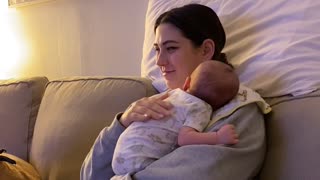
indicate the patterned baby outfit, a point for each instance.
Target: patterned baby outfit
{"x":144,"y":142}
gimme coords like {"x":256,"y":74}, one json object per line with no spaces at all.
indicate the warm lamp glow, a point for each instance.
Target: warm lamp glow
{"x":13,"y":50}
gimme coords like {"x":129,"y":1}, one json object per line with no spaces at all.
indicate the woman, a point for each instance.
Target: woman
{"x":185,"y":37}
{"x":180,"y":49}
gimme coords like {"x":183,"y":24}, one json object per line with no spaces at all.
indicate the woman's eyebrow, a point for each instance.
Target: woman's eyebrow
{"x":166,"y":42}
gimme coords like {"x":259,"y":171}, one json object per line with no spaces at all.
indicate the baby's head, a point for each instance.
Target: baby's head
{"x":214,"y":82}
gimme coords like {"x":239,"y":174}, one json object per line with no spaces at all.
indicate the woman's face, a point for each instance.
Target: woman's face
{"x":176,"y":55}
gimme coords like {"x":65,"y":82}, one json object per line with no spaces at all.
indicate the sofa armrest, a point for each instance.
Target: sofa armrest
{"x":19,"y":103}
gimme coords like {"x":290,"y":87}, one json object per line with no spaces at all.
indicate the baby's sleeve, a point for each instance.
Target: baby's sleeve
{"x":197,"y":116}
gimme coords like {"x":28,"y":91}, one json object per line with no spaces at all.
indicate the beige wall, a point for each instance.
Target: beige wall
{"x":83,"y":37}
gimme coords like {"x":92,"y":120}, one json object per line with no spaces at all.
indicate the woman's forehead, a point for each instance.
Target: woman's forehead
{"x":168,"y":33}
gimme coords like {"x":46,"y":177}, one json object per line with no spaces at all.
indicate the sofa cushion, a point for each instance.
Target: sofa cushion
{"x":20,"y":170}
{"x":292,"y":138}
{"x":19,"y":104}
{"x":71,"y":115}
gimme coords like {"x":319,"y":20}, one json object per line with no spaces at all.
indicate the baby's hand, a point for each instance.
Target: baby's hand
{"x":227,"y":135}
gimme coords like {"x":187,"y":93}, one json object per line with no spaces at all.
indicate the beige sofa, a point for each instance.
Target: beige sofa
{"x":52,"y":125}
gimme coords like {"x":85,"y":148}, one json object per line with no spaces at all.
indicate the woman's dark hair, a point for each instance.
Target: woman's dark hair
{"x":197,"y":23}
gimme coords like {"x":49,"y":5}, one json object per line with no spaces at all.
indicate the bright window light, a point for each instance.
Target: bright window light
{"x":13,"y":51}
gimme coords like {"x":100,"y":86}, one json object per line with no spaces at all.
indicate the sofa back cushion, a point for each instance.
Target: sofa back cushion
{"x":71,"y":115}
{"x":19,"y":104}
{"x":292,"y":145}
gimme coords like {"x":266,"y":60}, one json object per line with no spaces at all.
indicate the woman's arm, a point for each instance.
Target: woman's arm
{"x":97,"y":164}
{"x":225,"y":135}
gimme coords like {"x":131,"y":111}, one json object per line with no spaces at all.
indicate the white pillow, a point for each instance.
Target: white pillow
{"x":273,"y":44}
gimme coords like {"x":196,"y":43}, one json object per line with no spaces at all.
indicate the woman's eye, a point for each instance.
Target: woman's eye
{"x":171,"y":49}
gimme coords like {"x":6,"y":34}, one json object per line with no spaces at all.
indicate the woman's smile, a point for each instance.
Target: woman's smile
{"x":167,"y":74}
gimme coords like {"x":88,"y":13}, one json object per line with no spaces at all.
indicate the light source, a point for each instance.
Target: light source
{"x":13,"y":50}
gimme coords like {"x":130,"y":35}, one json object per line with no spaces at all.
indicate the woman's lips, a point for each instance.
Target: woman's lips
{"x":167,"y":73}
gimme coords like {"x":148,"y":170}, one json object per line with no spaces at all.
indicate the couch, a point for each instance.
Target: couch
{"x":50,"y":126}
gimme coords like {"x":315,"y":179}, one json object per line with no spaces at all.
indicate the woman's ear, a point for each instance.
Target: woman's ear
{"x":208,"y":47}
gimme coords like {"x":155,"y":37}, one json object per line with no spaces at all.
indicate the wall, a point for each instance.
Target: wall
{"x":83,"y":37}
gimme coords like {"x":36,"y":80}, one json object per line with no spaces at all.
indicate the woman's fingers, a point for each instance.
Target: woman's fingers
{"x":147,"y":108}
{"x":161,"y":106}
{"x":139,"y":116}
{"x":162,"y":96}
{"x":155,"y":109}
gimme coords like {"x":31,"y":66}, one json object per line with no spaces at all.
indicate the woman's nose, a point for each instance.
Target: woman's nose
{"x":161,"y":59}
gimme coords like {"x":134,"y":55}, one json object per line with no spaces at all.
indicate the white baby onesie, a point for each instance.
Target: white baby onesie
{"x":144,"y":142}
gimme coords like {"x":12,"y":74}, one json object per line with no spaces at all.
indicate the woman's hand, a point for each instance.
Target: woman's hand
{"x":147,"y":108}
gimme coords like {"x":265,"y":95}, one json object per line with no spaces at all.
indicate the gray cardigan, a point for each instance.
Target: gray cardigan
{"x":220,"y":162}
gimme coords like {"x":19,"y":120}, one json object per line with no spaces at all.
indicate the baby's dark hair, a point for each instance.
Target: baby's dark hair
{"x":197,"y":23}
{"x":214,"y":82}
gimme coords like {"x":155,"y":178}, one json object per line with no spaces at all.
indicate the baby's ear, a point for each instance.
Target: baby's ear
{"x":186,"y":85}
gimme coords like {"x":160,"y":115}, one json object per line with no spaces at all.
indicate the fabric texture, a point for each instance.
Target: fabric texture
{"x":273,"y":44}
{"x":19,"y":103}
{"x":245,"y":96}
{"x":71,"y":114}
{"x":97,"y":164}
{"x":217,"y":161}
{"x":144,"y":142}
{"x":194,"y":161}
{"x":21,"y":170}
{"x":292,"y":131}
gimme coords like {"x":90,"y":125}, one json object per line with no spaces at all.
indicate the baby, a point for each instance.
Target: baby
{"x":211,"y":85}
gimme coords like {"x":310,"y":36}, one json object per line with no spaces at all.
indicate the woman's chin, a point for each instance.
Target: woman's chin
{"x":171,"y":85}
